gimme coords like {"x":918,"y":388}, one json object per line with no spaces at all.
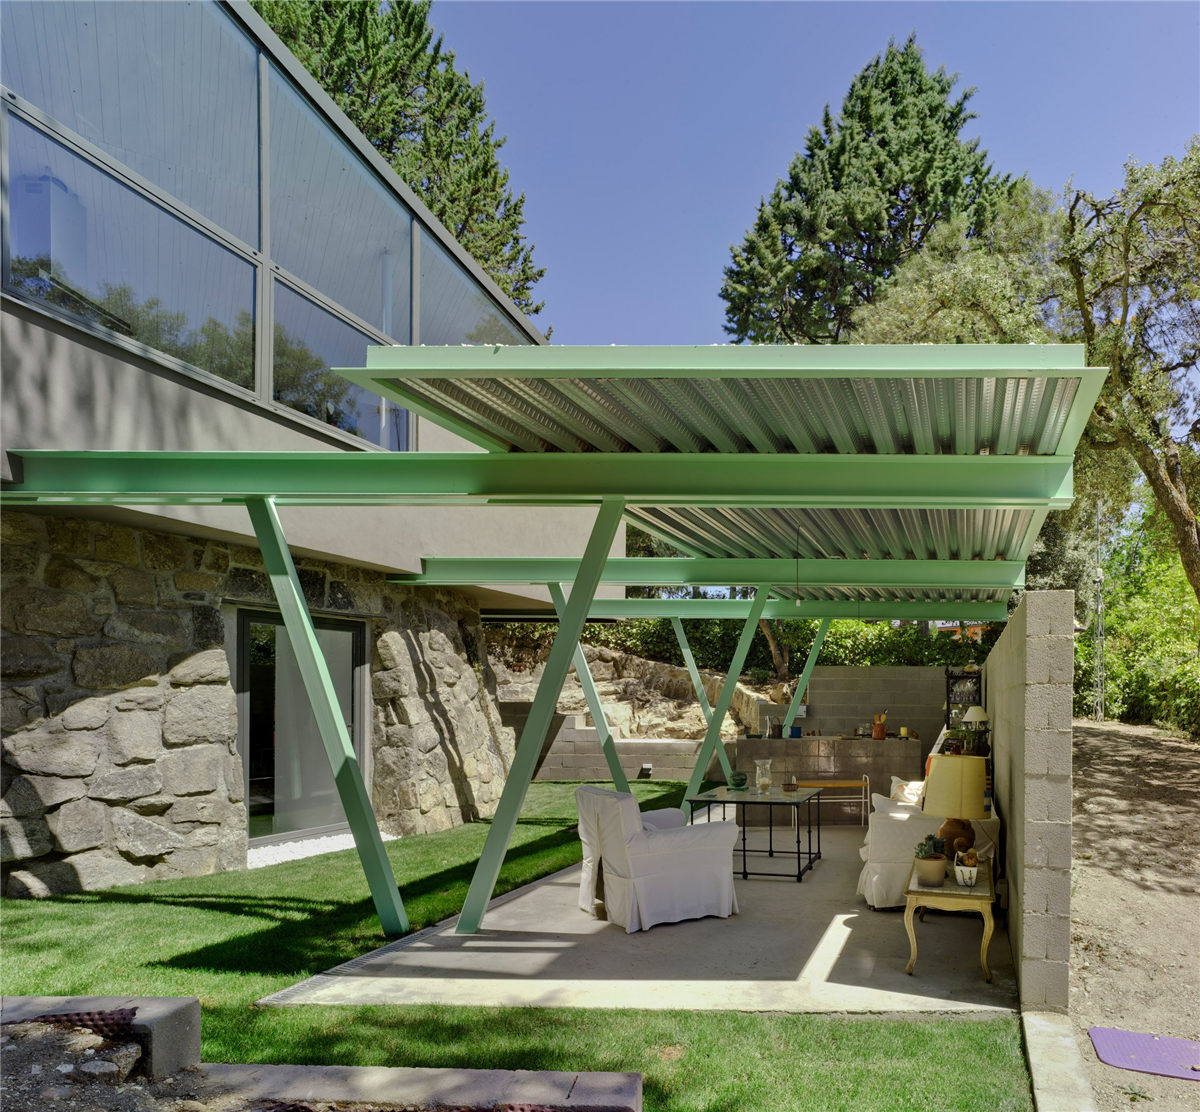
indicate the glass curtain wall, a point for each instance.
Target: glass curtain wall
{"x":142,"y":205}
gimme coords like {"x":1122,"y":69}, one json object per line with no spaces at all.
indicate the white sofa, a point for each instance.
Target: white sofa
{"x":893,"y":831}
{"x":645,"y":872}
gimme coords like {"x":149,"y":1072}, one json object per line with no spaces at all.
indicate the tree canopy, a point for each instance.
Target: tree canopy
{"x":1120,"y":274}
{"x":399,"y":86}
{"x":864,"y":196}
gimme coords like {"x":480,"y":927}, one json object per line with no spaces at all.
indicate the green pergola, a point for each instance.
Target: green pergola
{"x":857,"y":481}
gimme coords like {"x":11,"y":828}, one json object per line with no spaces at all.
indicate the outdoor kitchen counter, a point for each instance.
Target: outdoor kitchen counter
{"x":835,"y":758}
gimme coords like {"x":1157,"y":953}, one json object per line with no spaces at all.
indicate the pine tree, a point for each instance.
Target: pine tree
{"x":398,"y":85}
{"x":864,"y":195}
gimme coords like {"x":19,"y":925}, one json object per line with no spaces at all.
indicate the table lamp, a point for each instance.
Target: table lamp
{"x":954,"y":789}
{"x":976,"y":721}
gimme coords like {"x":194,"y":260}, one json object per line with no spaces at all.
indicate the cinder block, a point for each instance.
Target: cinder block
{"x":1048,"y":798}
{"x":1044,"y":984}
{"x":1036,"y":885}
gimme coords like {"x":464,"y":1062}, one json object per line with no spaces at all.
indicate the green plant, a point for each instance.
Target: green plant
{"x":931,"y":848}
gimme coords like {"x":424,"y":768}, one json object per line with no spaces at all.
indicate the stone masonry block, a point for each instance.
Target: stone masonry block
{"x":135,"y":736}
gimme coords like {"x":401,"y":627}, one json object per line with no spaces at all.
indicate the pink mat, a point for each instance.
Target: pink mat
{"x":1131,"y":1050}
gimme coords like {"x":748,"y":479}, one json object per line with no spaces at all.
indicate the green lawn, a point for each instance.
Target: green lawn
{"x":233,"y":938}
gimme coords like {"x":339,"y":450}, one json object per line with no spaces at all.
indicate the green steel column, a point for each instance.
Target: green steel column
{"x":570,"y":626}
{"x":330,"y":724}
{"x":806,"y":675}
{"x":593,"y":700}
{"x":693,"y":671}
{"x":712,"y":738}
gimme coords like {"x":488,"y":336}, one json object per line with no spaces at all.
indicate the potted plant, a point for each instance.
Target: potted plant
{"x":930,"y":864}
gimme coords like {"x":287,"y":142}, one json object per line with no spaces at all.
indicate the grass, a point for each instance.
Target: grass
{"x":233,"y":938}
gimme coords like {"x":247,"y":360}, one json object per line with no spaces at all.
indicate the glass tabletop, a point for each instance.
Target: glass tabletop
{"x":750,"y":794}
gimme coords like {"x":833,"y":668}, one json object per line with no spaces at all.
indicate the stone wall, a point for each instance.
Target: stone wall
{"x":1027,"y":692}
{"x":120,"y":757}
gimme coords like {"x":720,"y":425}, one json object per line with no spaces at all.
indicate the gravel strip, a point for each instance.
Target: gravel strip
{"x":274,"y":854}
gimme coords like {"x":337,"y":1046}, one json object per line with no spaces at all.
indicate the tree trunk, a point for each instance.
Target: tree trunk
{"x":780,"y":655}
{"x":1166,"y":480}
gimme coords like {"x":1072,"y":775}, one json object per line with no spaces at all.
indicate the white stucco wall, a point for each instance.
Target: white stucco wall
{"x":65,"y":389}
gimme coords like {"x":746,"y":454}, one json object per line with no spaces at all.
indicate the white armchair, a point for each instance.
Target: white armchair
{"x":651,"y":868}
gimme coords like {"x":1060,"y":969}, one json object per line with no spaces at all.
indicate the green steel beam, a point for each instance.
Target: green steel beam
{"x":599,"y":719}
{"x":712,"y":736}
{"x":557,"y":478}
{"x":529,"y":746}
{"x":727,"y":361}
{"x":869,"y":610}
{"x":330,"y":724}
{"x":693,"y":671}
{"x":806,"y":675}
{"x":987,"y":575}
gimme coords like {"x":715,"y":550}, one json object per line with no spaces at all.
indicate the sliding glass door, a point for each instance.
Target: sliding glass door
{"x":289,"y":788}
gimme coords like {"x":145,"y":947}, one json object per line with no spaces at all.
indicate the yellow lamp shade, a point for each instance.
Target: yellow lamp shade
{"x":954,"y":787}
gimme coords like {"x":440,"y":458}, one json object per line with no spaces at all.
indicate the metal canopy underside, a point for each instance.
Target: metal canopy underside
{"x":967,"y":406}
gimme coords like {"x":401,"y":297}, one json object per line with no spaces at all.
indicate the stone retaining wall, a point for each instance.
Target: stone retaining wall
{"x":120,"y":758}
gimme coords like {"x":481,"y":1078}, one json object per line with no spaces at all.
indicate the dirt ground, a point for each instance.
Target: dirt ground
{"x":1135,"y":902}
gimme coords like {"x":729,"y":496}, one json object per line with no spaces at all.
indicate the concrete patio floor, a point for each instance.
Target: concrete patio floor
{"x":808,"y":947}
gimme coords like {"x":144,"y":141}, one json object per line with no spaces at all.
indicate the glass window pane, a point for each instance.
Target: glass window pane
{"x":333,"y":222}
{"x":82,"y":241}
{"x":169,"y":89}
{"x":454,"y":310}
{"x":308,"y":341}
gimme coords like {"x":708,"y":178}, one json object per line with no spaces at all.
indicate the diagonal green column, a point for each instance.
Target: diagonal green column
{"x":529,"y":746}
{"x":712,"y":738}
{"x":806,"y":675}
{"x":593,"y":700}
{"x":330,"y":724}
{"x":693,"y":671}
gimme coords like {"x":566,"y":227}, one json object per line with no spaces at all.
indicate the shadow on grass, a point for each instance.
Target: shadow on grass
{"x":335,"y":932}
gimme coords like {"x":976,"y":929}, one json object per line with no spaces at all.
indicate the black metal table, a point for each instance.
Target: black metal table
{"x":776,"y":797}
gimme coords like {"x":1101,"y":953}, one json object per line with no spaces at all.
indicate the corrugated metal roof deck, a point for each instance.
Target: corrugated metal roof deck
{"x":925,"y":400}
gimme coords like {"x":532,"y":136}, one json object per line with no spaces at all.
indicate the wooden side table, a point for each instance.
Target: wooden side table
{"x":950,"y":897}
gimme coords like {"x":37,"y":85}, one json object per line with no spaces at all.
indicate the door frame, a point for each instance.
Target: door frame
{"x":360,"y":693}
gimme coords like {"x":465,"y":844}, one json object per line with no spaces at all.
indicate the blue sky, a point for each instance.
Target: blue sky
{"x":644,"y":134}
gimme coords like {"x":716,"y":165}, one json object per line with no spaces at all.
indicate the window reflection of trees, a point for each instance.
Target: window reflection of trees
{"x":303,"y":381}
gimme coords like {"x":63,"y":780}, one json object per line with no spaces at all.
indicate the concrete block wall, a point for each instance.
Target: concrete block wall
{"x":841,"y":698}
{"x":572,"y":751}
{"x":1027,"y":692}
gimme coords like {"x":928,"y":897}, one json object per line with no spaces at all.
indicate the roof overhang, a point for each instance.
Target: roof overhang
{"x":884,"y":481}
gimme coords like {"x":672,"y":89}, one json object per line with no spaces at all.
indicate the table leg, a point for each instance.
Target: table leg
{"x":745,"y":874}
{"x":988,"y":927}
{"x":770,"y":830}
{"x":912,"y":935}
{"x":799,"y":859}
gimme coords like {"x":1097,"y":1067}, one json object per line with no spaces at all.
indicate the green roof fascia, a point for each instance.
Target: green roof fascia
{"x":708,"y":608}
{"x":561,"y":478}
{"x":731,"y":361}
{"x":661,"y":571}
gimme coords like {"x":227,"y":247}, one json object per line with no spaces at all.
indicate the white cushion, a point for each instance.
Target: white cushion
{"x":907,"y":791}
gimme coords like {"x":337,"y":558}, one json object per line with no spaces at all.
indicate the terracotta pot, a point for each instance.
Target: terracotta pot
{"x":931,"y":871}
{"x":879,"y":731}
